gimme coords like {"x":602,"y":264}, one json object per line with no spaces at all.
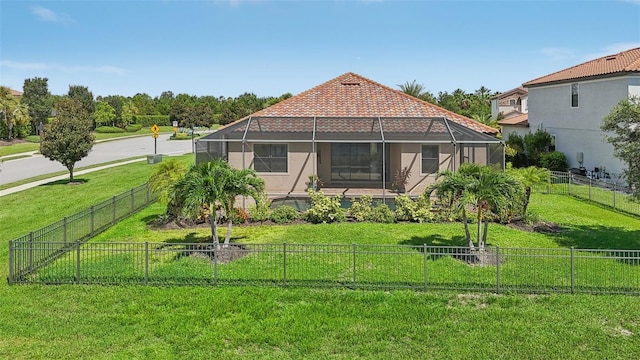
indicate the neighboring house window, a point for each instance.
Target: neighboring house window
{"x":430,"y":159}
{"x":552,"y":146}
{"x":574,"y":95}
{"x":270,"y":158}
{"x":512,"y":102}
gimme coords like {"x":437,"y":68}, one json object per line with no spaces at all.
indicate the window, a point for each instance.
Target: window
{"x":574,"y":95}
{"x":430,"y":159}
{"x":270,"y":158}
{"x":552,"y":145}
{"x":512,"y":102}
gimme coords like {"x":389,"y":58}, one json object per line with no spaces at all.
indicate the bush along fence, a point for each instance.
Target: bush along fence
{"x":39,"y":248}
{"x":601,"y":191}
{"x":422,"y":267}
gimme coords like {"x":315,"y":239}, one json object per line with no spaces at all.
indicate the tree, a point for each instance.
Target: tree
{"x":105,"y":114}
{"x":529,"y":177}
{"x":129,"y":112}
{"x":487,"y":189}
{"x":418,"y":91}
{"x":12,"y":112}
{"x":622,"y":125}
{"x":36,"y":96}
{"x":163,"y":180}
{"x":215,"y":185}
{"x":68,"y":138}
{"x":84,"y":97}
{"x":164,"y":102}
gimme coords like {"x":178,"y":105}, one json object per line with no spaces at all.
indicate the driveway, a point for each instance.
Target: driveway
{"x":20,"y":169}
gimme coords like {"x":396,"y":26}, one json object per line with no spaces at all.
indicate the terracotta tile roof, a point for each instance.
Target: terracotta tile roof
{"x":520,"y":120}
{"x":352,"y":95}
{"x":624,"y":62}
{"x":518,"y":90}
{"x":15,"y":92}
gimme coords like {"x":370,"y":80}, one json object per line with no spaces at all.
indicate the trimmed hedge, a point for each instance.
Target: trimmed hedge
{"x":150,"y":120}
{"x":133,"y":127}
{"x":109,"y":130}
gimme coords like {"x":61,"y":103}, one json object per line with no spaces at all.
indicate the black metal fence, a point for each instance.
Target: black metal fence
{"x":602,"y":191}
{"x":423,"y":267}
{"x":43,"y":246}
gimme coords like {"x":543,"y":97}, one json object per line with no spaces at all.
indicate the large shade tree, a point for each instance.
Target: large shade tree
{"x":623,"y":132}
{"x":38,"y":99}
{"x":68,"y":138}
{"x":215,"y":185}
{"x":12,"y":112}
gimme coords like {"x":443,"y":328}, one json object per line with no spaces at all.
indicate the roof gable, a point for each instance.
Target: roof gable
{"x":621,"y":63}
{"x":519,"y":90}
{"x":352,"y":95}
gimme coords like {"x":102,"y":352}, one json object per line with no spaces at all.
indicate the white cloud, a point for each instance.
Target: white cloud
{"x":612,"y":49}
{"x":104,"y":69}
{"x":50,"y":16}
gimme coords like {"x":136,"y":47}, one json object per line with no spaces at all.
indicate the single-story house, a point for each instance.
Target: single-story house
{"x":352,"y":133}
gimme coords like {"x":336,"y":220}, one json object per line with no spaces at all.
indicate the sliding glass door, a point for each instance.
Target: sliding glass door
{"x":357,"y":162}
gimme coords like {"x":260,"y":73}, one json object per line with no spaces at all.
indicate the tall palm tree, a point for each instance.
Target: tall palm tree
{"x":412,"y":88}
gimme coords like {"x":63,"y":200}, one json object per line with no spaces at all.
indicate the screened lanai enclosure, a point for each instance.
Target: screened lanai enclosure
{"x":346,"y":152}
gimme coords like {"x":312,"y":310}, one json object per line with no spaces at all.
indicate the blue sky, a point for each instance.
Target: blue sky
{"x":225,"y":48}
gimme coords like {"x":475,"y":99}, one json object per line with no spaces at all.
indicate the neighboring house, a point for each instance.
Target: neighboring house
{"x":353,"y":133}
{"x":518,"y":124}
{"x":15,"y":93}
{"x":510,"y":103}
{"x":570,"y":104}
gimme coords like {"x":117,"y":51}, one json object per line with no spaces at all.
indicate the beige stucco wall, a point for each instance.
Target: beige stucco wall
{"x":300,"y":166}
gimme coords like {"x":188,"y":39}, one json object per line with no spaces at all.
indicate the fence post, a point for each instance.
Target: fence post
{"x":424,"y":250}
{"x":569,"y":184}
{"x":92,"y":221}
{"x":215,"y":265}
{"x":11,"y":265}
{"x":78,"y":263}
{"x":146,"y":262}
{"x":30,"y":251}
{"x":498,"y":269}
{"x":132,"y":201}
{"x":113,"y":200}
{"x":284,"y":264}
{"x":354,"y":264}
{"x":64,"y":230}
{"x":572,"y":271}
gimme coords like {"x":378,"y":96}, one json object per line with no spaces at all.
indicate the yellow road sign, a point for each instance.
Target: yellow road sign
{"x":155,"y":129}
{"x":154,"y":135}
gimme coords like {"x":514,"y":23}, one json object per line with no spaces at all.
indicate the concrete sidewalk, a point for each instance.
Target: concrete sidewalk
{"x":30,"y":185}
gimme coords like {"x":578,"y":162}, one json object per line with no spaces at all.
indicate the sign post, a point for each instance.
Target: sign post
{"x":154,"y":135}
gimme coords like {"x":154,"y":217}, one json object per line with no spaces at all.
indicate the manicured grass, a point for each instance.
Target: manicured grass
{"x":18,"y":148}
{"x":123,"y":322}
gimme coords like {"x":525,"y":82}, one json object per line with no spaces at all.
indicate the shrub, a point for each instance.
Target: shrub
{"x":109,"y":130}
{"x":180,"y":136}
{"x":361,"y":208}
{"x":239,"y":216}
{"x":554,"y":161}
{"x":324,"y":209}
{"x":150,"y":120}
{"x":284,"y":214}
{"x":381,"y":214}
{"x":133,"y":127}
{"x":261,"y":211}
{"x":418,"y":210}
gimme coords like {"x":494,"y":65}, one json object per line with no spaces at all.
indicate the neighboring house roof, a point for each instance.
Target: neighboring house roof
{"x":621,"y":63}
{"x":519,"y":90}
{"x":15,"y":92}
{"x":511,"y":114}
{"x":520,"y":120}
{"x":352,"y":95}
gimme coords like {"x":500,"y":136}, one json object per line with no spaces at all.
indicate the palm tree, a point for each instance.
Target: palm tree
{"x":412,"y":88}
{"x":529,"y":177}
{"x":164,"y":176}
{"x":487,"y":189}
{"x":215,"y":185}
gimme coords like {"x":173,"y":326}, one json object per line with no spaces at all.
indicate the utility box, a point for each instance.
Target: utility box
{"x":154,"y":159}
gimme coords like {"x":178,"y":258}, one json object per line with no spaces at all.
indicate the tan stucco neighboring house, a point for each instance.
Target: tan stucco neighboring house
{"x":570,"y":104}
{"x":518,"y":124}
{"x":510,"y":103}
{"x":353,"y":133}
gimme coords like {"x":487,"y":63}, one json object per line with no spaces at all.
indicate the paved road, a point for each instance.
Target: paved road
{"x":19,"y":169}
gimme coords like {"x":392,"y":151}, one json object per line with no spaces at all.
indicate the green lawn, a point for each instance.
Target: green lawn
{"x":123,"y":322}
